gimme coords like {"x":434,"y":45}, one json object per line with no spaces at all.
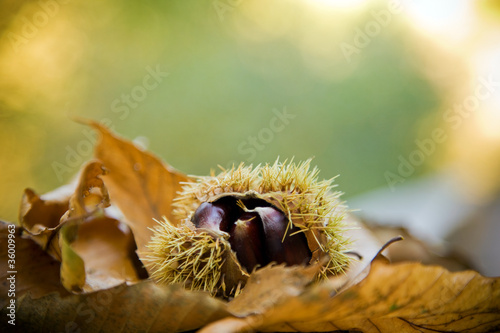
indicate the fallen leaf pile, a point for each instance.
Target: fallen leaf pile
{"x":78,"y":269}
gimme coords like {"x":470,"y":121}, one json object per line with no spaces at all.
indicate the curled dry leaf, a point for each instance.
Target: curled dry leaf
{"x":83,"y":203}
{"x":140,"y":184}
{"x":72,"y":265}
{"x":98,"y":253}
{"x":37,"y":272}
{"x":107,"y":248}
{"x":90,"y":194}
{"x":40,"y":218}
{"x":414,"y":249}
{"x":95,"y":250}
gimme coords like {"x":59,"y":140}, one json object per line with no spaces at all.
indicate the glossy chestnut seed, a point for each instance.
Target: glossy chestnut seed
{"x":256,"y":232}
{"x":274,"y":225}
{"x":296,"y":248}
{"x":210,"y":216}
{"x":291,"y":250}
{"x":246,"y":237}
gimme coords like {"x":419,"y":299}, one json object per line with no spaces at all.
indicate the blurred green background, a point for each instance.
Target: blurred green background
{"x":232,"y":67}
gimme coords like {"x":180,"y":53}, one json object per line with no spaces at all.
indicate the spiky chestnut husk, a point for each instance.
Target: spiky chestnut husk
{"x":244,"y":218}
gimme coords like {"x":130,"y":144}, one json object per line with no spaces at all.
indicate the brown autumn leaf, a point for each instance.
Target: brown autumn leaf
{"x":140,"y":184}
{"x":90,"y":194}
{"x":107,"y":249}
{"x":72,"y":266}
{"x":43,"y":216}
{"x":55,"y":224}
{"x":40,"y":218}
{"x":143,"y":307}
{"x":42,"y":304}
{"x":89,"y":197}
{"x":407,"y":297}
{"x":414,"y":249}
{"x":37,"y":272}
{"x":95,"y":250}
{"x":98,"y":252}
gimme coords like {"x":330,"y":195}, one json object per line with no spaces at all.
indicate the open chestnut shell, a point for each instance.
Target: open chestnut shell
{"x":259,"y":233}
{"x":230,"y":224}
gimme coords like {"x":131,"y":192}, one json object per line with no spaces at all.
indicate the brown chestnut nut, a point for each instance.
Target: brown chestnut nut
{"x":256,"y":235}
{"x":291,"y":250}
{"x":295,"y":248}
{"x":274,"y":224}
{"x":246,"y":240}
{"x":210,"y":216}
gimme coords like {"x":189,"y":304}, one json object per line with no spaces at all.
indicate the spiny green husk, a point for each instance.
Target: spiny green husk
{"x":182,"y":255}
{"x":309,"y":204}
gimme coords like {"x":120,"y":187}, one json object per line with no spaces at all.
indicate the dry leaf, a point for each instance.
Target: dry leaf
{"x":107,"y":248}
{"x":143,"y":307}
{"x":98,"y":252}
{"x":413,"y":249}
{"x":41,"y":219}
{"x":140,"y":184}
{"x":271,"y":285}
{"x":72,"y":265}
{"x":90,"y":194}
{"x":406,"y":297}
{"x":37,"y":272}
{"x":95,"y":251}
